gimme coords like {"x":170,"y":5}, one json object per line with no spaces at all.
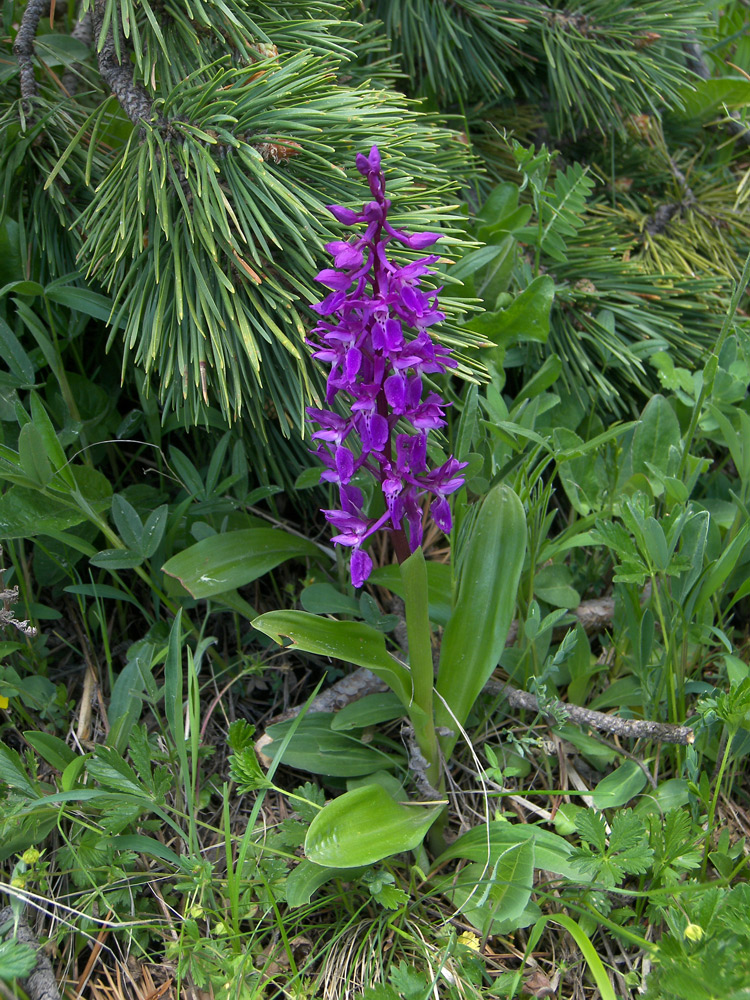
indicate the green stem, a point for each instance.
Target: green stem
{"x":714,"y":801}
{"x":414,"y":576}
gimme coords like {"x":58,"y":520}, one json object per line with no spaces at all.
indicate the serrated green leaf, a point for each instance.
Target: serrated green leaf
{"x":17,"y":960}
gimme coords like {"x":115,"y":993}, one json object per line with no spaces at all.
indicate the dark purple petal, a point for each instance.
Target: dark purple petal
{"x":345,"y":254}
{"x":338,"y":280}
{"x":374,"y":305}
{"x":441,"y":514}
{"x":379,"y":432}
{"x":395,"y":392}
{"x":361,"y":567}
{"x":345,"y":215}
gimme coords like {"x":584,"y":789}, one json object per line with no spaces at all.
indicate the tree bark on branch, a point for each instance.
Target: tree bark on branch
{"x":117,"y":72}
{"x":23,"y":49}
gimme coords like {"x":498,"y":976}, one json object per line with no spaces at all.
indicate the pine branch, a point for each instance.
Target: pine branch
{"x":117,"y":72}
{"x":23,"y":48}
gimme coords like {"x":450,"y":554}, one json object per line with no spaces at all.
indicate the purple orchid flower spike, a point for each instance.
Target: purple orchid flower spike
{"x":376,"y":345}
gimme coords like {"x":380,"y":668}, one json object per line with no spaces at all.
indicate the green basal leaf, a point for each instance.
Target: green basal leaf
{"x":364,"y":826}
{"x":225,"y":562}
{"x":308,"y":877}
{"x":619,"y":787}
{"x":353,"y":642}
{"x":368,"y":711}
{"x":315,"y":747}
{"x":487,"y":843}
{"x":475,"y":635}
{"x":495,"y":895}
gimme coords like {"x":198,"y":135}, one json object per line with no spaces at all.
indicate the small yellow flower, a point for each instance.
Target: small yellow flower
{"x":693,"y":932}
{"x":3,"y":701}
{"x":469,"y":940}
{"x":19,"y":882}
{"x":31,"y":856}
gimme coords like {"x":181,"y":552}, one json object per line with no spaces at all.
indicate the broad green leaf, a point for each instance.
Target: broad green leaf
{"x":704,"y":99}
{"x":655,"y":433}
{"x":439,"y":593}
{"x":52,"y":446}
{"x":127,"y":522}
{"x":234,"y":559}
{"x":324,"y":599}
{"x":308,"y":877}
{"x":582,"y":476}
{"x":483,"y":843}
{"x":316,"y":748}
{"x":14,"y":355}
{"x":146,"y":845}
{"x":526,"y":318}
{"x":553,"y":585}
{"x":475,"y":635}
{"x":619,"y":787}
{"x":25,"y":512}
{"x":670,"y":794}
{"x":364,"y":826}
{"x":21,"y":288}
{"x":496,"y":893}
{"x":82,"y":300}
{"x":717,"y":572}
{"x":33,"y":456}
{"x":368,"y":711}
{"x":353,"y":642}
{"x":153,"y":530}
{"x":113,"y":559}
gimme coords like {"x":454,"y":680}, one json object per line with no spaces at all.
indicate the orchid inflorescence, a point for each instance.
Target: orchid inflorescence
{"x":373,"y":302}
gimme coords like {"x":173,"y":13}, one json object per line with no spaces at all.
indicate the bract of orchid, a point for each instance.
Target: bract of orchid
{"x":374,"y":337}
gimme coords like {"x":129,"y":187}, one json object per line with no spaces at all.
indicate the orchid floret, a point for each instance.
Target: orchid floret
{"x":374,"y":306}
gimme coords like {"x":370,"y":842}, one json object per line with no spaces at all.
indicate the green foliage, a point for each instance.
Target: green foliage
{"x":609,"y":857}
{"x":196,"y":200}
{"x":589,"y":272}
{"x":705,"y":953}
